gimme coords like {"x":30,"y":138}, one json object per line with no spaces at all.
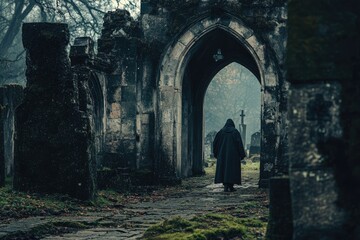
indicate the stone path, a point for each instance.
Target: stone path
{"x":132,"y":221}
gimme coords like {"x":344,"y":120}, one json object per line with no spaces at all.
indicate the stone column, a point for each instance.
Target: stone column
{"x":323,"y":59}
{"x":54,"y":142}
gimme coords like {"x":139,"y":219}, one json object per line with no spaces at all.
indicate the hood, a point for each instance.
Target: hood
{"x":229,"y":126}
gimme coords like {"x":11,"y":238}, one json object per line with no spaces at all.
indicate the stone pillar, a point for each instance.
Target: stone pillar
{"x":323,"y":69}
{"x":54,"y":141}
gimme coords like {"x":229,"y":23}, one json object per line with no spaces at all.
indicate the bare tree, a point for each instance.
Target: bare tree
{"x":85,"y":18}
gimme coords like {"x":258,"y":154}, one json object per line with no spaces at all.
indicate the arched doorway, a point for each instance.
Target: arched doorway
{"x":187,"y":68}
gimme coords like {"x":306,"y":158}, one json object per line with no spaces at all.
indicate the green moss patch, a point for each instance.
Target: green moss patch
{"x":206,"y":227}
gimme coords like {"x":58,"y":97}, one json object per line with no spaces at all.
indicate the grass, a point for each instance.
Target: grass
{"x":206,"y":227}
{"x":15,"y":205}
{"x":249,"y":170}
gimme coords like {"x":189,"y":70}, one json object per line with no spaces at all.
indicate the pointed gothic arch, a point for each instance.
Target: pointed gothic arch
{"x":180,"y":92}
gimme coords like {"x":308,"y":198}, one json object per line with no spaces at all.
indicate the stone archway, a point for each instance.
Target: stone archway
{"x":179,"y":94}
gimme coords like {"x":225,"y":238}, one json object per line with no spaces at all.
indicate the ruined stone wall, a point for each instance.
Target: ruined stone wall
{"x":10,"y":98}
{"x":54,"y":141}
{"x":136,"y":49}
{"x":163,"y":22}
{"x":323,"y":69}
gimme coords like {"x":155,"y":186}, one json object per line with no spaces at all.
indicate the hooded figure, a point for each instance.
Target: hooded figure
{"x":229,"y":151}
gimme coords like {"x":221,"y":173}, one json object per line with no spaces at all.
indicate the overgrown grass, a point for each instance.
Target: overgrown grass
{"x":207,"y":227}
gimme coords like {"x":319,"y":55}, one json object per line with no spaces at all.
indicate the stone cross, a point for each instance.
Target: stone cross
{"x":242,"y":115}
{"x":242,"y":128}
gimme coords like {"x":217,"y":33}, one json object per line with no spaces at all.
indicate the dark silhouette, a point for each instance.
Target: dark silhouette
{"x":229,"y":151}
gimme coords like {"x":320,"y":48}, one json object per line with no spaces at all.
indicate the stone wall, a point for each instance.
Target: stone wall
{"x":54,"y":141}
{"x":10,"y":98}
{"x":323,"y":69}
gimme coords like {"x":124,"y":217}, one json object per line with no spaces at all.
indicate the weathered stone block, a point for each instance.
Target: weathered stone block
{"x":115,"y":111}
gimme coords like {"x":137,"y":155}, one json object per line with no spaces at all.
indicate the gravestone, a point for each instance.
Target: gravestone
{"x":255,"y":143}
{"x":210,"y":137}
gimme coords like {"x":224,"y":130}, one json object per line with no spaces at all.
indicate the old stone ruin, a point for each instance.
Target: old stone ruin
{"x":132,"y":111}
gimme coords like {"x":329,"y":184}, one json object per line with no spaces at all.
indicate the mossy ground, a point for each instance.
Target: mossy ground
{"x":247,"y":221}
{"x":207,"y":227}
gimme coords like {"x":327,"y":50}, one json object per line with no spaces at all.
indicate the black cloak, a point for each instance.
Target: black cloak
{"x":229,"y":151}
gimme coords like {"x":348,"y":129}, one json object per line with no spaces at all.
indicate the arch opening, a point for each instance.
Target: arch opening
{"x":234,"y":93}
{"x":209,"y":55}
{"x":187,"y":68}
